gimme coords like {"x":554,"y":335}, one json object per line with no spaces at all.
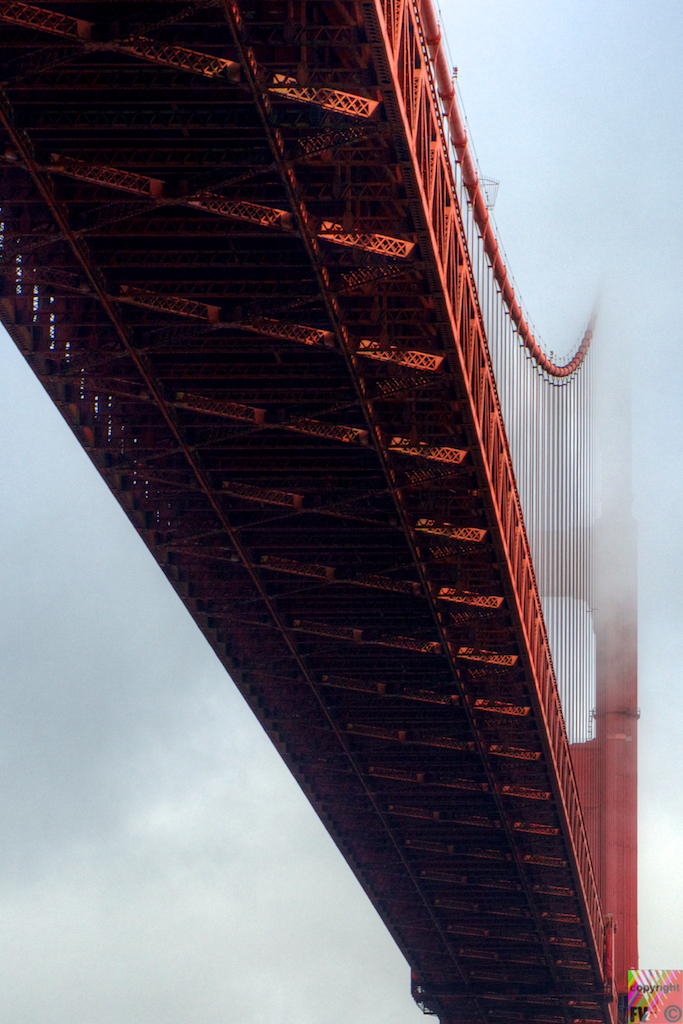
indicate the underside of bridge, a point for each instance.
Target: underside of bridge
{"x":232,"y":254}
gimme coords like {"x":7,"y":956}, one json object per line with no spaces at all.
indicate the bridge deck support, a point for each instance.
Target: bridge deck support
{"x":234,"y":255}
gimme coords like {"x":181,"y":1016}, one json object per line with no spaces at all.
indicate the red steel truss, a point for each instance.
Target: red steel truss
{"x":233,"y":254}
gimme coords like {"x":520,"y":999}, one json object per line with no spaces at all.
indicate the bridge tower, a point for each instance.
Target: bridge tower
{"x":606,"y":765}
{"x":617,"y":709}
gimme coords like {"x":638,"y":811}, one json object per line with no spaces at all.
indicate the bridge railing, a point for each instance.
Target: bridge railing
{"x":408,"y":51}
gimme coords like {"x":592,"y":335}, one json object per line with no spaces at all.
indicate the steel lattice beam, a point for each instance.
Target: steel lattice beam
{"x":324,"y":477}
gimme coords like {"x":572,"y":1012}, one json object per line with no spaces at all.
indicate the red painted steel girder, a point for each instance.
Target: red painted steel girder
{"x":421,"y":715}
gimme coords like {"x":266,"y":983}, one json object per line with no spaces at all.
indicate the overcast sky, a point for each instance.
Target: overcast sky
{"x":157,"y":863}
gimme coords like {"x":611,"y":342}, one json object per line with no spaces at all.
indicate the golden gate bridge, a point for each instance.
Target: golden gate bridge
{"x":245,"y":248}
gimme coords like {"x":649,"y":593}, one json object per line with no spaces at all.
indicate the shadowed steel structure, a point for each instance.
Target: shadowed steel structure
{"x":238,"y":254}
